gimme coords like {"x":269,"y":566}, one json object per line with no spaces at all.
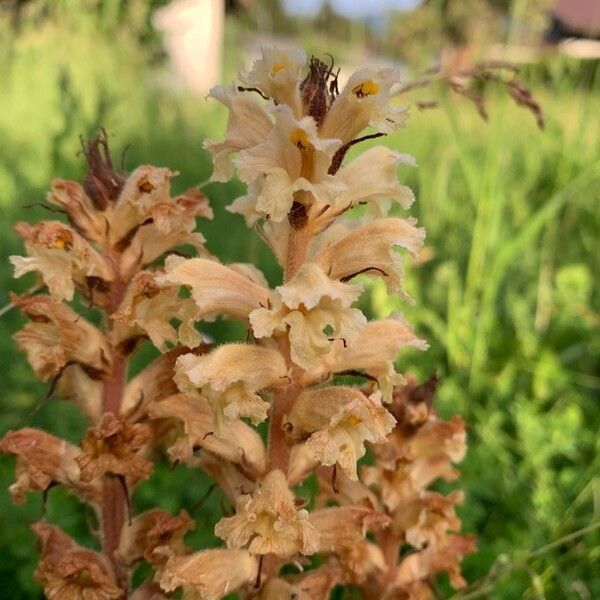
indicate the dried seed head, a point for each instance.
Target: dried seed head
{"x":102,"y":183}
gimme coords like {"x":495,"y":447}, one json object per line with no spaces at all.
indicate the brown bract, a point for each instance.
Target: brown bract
{"x":113,"y":447}
{"x":69,"y":572}
{"x":154,"y":529}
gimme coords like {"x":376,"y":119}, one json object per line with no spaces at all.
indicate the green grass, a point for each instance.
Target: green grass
{"x":508,"y":298}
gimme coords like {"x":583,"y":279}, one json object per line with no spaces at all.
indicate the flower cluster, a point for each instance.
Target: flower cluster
{"x":287,"y":137}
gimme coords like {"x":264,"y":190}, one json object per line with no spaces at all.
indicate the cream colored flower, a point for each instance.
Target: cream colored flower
{"x":69,"y":572}
{"x":369,"y":248}
{"x":269,"y":522}
{"x":277,"y":75}
{"x":291,"y":159}
{"x":309,"y":305}
{"x":364,"y":102}
{"x":209,"y":574}
{"x":337,"y":421}
{"x":239,"y":443}
{"x":230,"y":378}
{"x":371,"y":179}
{"x":61,"y":256}
{"x":216,"y":289}
{"x":249,"y":124}
{"x":150,"y":308}
{"x":374,"y":353}
{"x":44,"y":460}
{"x":57,"y":337}
{"x":71,"y":197}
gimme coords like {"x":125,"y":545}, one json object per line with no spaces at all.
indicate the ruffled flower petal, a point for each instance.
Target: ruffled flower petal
{"x":239,"y":443}
{"x":310,"y":304}
{"x":336,"y":422}
{"x":269,"y":522}
{"x":216,"y":289}
{"x":230,"y":378}
{"x":364,"y":102}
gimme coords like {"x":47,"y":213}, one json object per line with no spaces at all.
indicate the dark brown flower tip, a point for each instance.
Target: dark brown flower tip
{"x":103,"y":183}
{"x":412,"y":404}
{"x":318,"y":89}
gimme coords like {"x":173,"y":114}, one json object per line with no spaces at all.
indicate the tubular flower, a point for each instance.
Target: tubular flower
{"x":58,"y":337}
{"x":239,"y":443}
{"x":216,"y":289}
{"x":337,"y":421}
{"x":62,"y":257}
{"x":309,"y":305}
{"x":293,"y":158}
{"x":149,"y":309}
{"x":277,"y":75}
{"x":364,"y":102}
{"x":209,"y":574}
{"x":269,"y":522}
{"x":229,"y":378}
{"x":374,"y":353}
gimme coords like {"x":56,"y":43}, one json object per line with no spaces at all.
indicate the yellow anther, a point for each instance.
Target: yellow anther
{"x":353,"y":421}
{"x":59,"y":244}
{"x":300,"y":139}
{"x":277,"y":67}
{"x":366,"y":88}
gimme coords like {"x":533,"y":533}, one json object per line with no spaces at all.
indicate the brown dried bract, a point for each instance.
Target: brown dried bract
{"x":112,"y":447}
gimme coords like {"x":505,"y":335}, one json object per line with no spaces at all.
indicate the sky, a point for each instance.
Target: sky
{"x":353,"y":9}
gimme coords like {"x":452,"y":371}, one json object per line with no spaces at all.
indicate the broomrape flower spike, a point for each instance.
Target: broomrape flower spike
{"x":289,"y":130}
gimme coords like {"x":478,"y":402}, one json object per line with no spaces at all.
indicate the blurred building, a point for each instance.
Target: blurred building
{"x":193,"y":35}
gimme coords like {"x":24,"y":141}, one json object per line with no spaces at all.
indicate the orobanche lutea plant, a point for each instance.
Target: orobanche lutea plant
{"x":376,"y":527}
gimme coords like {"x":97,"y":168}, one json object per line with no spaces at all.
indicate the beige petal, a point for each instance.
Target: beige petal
{"x":230,"y":377}
{"x":277,"y":74}
{"x":210,"y":573}
{"x":269,"y":522}
{"x":57,"y":336}
{"x":363,"y":102}
{"x":369,"y":248}
{"x":216,"y":289}
{"x":248,"y":125}
{"x":239,"y":443}
{"x":62,"y":257}
{"x":337,"y":421}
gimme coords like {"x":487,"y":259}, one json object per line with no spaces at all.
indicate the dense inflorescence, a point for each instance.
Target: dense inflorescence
{"x":375,"y":526}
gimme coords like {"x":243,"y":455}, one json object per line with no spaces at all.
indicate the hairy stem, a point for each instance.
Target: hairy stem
{"x":114,"y":502}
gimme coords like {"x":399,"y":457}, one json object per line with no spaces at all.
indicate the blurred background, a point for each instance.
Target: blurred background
{"x":506,"y":292}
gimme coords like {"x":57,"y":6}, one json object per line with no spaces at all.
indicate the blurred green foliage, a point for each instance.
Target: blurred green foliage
{"x":508,"y":297}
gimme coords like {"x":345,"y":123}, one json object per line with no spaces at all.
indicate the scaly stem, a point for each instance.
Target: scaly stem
{"x":114,"y":501}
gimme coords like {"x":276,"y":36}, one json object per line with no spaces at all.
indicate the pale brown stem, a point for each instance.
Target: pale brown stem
{"x":390,"y":545}
{"x":297,"y":249}
{"x":114,"y":502}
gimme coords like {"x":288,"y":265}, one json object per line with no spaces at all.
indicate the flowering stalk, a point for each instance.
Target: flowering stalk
{"x":288,"y":135}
